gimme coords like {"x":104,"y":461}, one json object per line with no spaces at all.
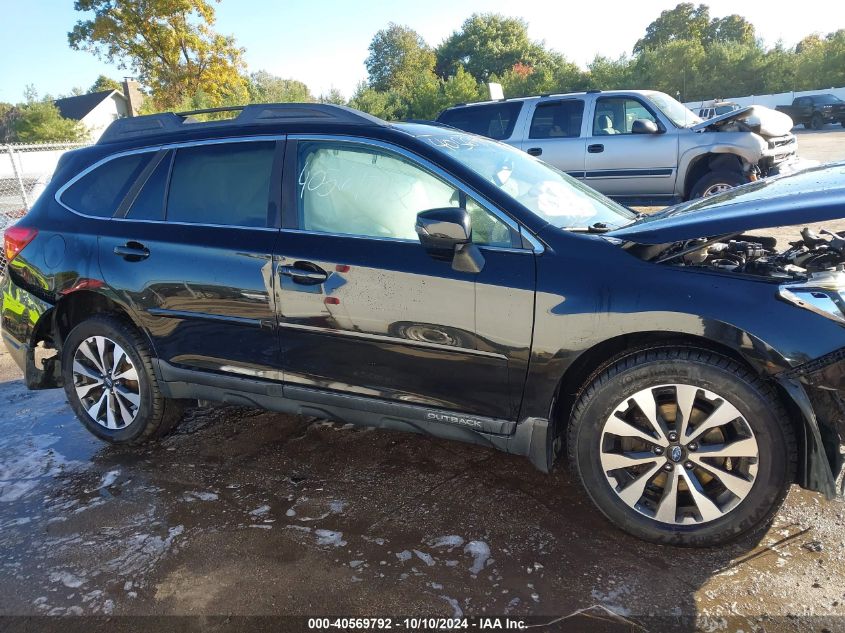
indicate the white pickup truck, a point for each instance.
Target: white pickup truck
{"x":637,"y":146}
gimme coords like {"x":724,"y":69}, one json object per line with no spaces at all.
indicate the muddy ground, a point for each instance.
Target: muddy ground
{"x":244,"y":513}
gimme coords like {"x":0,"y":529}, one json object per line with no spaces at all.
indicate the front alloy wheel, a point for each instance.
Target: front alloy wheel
{"x":679,"y":454}
{"x":682,"y":446}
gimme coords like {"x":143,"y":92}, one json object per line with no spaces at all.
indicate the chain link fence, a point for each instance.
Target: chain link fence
{"x":25,"y":171}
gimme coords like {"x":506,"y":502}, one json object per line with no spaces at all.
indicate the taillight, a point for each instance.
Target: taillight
{"x":16,"y":239}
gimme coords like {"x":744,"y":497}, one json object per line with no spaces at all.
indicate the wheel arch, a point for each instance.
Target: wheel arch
{"x":595,"y":359}
{"x":77,"y":306}
{"x":709,"y":161}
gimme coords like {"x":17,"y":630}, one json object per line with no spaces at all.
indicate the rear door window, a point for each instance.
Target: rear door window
{"x":222,"y":184}
{"x":494,"y":120}
{"x":557,"y":119}
{"x":100,"y":191}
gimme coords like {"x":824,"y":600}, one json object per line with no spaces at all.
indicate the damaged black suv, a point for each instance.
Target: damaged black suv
{"x":312,"y":259}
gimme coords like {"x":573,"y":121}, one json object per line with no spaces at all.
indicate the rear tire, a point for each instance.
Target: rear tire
{"x":663,"y":481}
{"x":110,"y":383}
{"x":717,"y":181}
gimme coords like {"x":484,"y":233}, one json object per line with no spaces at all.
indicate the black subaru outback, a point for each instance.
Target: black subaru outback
{"x":313,"y":259}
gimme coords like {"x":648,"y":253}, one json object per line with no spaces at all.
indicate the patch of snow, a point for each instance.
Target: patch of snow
{"x":612,"y":599}
{"x":260,"y":510}
{"x":330,"y":537}
{"x":457,"y":612}
{"x":66,"y":578}
{"x":404,"y":555}
{"x":424,"y":557}
{"x":451,"y":541}
{"x":201,"y":496}
{"x":480,"y":552}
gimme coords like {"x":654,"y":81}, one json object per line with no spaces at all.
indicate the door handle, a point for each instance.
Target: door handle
{"x":598,"y":148}
{"x":535,"y":151}
{"x":132,"y":251}
{"x":304,"y":273}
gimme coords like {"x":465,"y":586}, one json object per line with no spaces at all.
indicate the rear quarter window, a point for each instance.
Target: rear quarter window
{"x":493,"y":120}
{"x":100,"y":191}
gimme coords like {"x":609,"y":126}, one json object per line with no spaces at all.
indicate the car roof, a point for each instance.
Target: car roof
{"x":270,"y":117}
{"x":556,"y":95}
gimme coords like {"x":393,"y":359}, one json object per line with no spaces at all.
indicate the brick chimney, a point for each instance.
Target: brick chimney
{"x":134,"y":96}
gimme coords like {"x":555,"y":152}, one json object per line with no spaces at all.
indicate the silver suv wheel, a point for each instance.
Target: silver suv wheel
{"x":106,"y":382}
{"x":679,"y":454}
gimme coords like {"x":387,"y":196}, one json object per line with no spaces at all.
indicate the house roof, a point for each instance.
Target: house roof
{"x":78,"y":107}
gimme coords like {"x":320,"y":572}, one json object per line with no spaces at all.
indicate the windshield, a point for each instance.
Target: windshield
{"x":828,"y":99}
{"x":544,"y":190}
{"x":676,"y":112}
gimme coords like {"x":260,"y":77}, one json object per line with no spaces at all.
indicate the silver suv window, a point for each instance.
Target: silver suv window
{"x":493,"y":120}
{"x":557,"y":119}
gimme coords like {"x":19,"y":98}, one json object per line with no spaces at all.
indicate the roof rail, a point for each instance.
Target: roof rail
{"x":255,"y":114}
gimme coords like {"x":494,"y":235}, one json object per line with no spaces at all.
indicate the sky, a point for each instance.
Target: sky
{"x":325,"y":43}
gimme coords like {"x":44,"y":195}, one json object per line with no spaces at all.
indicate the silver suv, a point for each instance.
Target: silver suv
{"x":638,"y":146}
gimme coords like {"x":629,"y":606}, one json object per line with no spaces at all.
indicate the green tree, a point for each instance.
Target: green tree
{"x":103,"y":83}
{"x":398,"y":56}
{"x":334,"y":96}
{"x":685,"y":22}
{"x":732,"y":28}
{"x":673,"y":68}
{"x":385,"y":105}
{"x":608,"y":74}
{"x":169,"y":45}
{"x":41,"y":121}
{"x":8,"y":114}
{"x":489,"y":44}
{"x":264,"y":87}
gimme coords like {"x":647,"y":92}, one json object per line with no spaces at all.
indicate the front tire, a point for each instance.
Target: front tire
{"x":718,"y":181}
{"x":682,"y":447}
{"x":817,"y":122}
{"x":110,"y":384}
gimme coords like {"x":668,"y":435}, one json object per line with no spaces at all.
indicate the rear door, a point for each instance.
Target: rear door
{"x":363,"y":310}
{"x":190,"y":252}
{"x":555,"y":134}
{"x":620,"y":163}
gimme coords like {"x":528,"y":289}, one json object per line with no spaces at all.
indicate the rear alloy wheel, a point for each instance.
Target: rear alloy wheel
{"x":715,"y":182}
{"x":106,"y":382}
{"x":682,"y":446}
{"x":110,"y":383}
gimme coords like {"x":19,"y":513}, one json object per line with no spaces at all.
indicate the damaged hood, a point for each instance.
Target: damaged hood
{"x":765,"y":121}
{"x":813,"y":195}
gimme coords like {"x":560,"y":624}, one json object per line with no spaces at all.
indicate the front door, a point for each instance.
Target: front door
{"x":364,"y":310}
{"x":620,"y":163}
{"x":193,"y":258}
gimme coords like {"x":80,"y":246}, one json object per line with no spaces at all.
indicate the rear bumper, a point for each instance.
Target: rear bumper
{"x":21,"y":313}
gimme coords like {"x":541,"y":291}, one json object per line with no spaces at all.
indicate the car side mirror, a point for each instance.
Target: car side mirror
{"x":446,"y":234}
{"x":644,"y":126}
